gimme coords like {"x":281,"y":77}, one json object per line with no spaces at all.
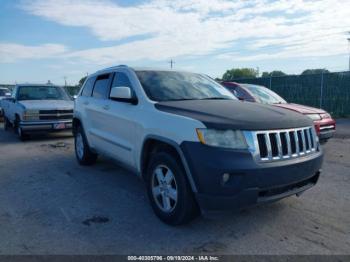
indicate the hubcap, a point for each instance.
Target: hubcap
{"x":164,"y":188}
{"x":79,"y":145}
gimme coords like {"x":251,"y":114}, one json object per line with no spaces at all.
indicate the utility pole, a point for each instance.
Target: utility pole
{"x":171,"y":62}
{"x":65,"y":81}
{"x":349,"y":48}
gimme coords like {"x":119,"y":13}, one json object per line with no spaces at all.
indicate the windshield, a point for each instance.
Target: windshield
{"x":170,"y":86}
{"x":42,"y":93}
{"x":264,"y":95}
{"x":5,"y":92}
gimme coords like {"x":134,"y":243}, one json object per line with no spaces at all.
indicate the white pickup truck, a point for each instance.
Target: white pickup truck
{"x":4,"y":93}
{"x":33,"y":108}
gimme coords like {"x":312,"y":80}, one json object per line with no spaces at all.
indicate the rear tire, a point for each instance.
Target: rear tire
{"x":83,"y":152}
{"x":169,"y":192}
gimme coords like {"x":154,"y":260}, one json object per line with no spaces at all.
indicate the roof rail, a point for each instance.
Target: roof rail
{"x":112,"y":67}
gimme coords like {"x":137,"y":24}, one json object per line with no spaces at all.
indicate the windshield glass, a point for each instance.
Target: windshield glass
{"x":5,"y":92}
{"x":42,"y":93}
{"x":170,"y":86}
{"x":264,"y":95}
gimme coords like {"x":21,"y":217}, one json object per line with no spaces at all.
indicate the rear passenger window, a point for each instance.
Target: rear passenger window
{"x":121,"y":79}
{"x":101,"y":88}
{"x":87,"y":89}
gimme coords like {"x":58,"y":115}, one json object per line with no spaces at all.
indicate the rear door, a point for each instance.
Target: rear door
{"x":95,"y":112}
{"x":82,"y":106}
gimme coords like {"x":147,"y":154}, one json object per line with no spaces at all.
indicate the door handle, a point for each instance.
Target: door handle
{"x":86,"y":103}
{"x":106,"y":107}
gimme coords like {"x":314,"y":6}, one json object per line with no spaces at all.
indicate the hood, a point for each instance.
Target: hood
{"x":232,"y":114}
{"x":301,"y":109}
{"x":47,"y":104}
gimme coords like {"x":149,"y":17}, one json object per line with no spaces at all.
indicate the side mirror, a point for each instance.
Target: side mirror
{"x":122,"y":93}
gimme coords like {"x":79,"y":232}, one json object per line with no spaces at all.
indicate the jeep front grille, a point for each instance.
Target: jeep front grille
{"x":274,"y":145}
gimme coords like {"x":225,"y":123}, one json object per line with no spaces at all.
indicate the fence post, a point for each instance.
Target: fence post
{"x":321,"y":90}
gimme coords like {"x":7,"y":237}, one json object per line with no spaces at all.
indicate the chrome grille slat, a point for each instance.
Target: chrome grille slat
{"x":296,"y":142}
{"x":279,"y":144}
{"x":309,"y":139}
{"x":289,"y":144}
{"x":268,"y":145}
{"x":305,"y":141}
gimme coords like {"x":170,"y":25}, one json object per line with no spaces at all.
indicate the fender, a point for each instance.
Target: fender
{"x":179,"y":151}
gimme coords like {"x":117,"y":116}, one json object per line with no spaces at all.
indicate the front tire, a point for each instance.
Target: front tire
{"x":169,"y":192}
{"x":83,"y":152}
{"x":7,"y":124}
{"x":19,"y":131}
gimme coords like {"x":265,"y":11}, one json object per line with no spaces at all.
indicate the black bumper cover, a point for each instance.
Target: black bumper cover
{"x":250,"y":182}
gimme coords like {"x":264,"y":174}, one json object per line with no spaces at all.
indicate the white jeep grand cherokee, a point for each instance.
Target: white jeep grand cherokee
{"x":196,"y":146}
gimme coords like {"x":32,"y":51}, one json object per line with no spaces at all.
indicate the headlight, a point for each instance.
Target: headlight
{"x":31,"y":115}
{"x":325,"y":115}
{"x":314,"y":116}
{"x":222,"y":138}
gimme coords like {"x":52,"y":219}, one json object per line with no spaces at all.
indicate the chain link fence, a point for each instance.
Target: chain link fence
{"x":329,"y":91}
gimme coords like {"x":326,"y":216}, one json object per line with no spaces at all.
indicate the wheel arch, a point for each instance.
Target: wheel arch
{"x":153,"y":144}
{"x":76,"y":122}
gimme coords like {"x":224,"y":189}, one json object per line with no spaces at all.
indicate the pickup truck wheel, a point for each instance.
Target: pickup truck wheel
{"x":168,"y":190}
{"x":83,"y":153}
{"x":7,"y":124}
{"x":19,"y":131}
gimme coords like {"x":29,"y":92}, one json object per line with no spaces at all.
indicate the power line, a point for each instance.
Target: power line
{"x":349,"y":48}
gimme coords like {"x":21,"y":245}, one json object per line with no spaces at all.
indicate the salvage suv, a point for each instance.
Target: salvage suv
{"x":38,"y":108}
{"x":195,"y":145}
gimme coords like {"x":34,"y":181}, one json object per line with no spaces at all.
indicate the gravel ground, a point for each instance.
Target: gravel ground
{"x":51,"y":205}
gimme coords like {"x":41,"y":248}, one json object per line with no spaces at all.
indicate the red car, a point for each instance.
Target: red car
{"x":324,"y":123}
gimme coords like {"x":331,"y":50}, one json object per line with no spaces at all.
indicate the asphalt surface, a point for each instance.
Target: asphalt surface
{"x":51,"y":205}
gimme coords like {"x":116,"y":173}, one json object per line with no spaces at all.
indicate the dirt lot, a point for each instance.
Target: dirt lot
{"x":51,"y":205}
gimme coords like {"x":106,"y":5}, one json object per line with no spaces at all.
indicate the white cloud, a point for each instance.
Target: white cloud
{"x":10,"y":52}
{"x":281,"y":29}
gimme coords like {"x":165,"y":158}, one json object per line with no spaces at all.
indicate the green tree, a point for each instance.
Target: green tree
{"x":81,"y":81}
{"x":273,"y":73}
{"x":314,"y":71}
{"x":235,"y":73}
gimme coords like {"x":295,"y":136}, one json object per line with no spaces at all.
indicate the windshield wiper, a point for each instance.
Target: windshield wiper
{"x":205,"y":98}
{"x":179,"y":99}
{"x":215,"y":98}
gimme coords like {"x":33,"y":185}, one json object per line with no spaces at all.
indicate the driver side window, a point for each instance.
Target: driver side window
{"x":121,"y":79}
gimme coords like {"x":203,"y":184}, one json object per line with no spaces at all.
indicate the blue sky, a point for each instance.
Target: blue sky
{"x":44,"y":40}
